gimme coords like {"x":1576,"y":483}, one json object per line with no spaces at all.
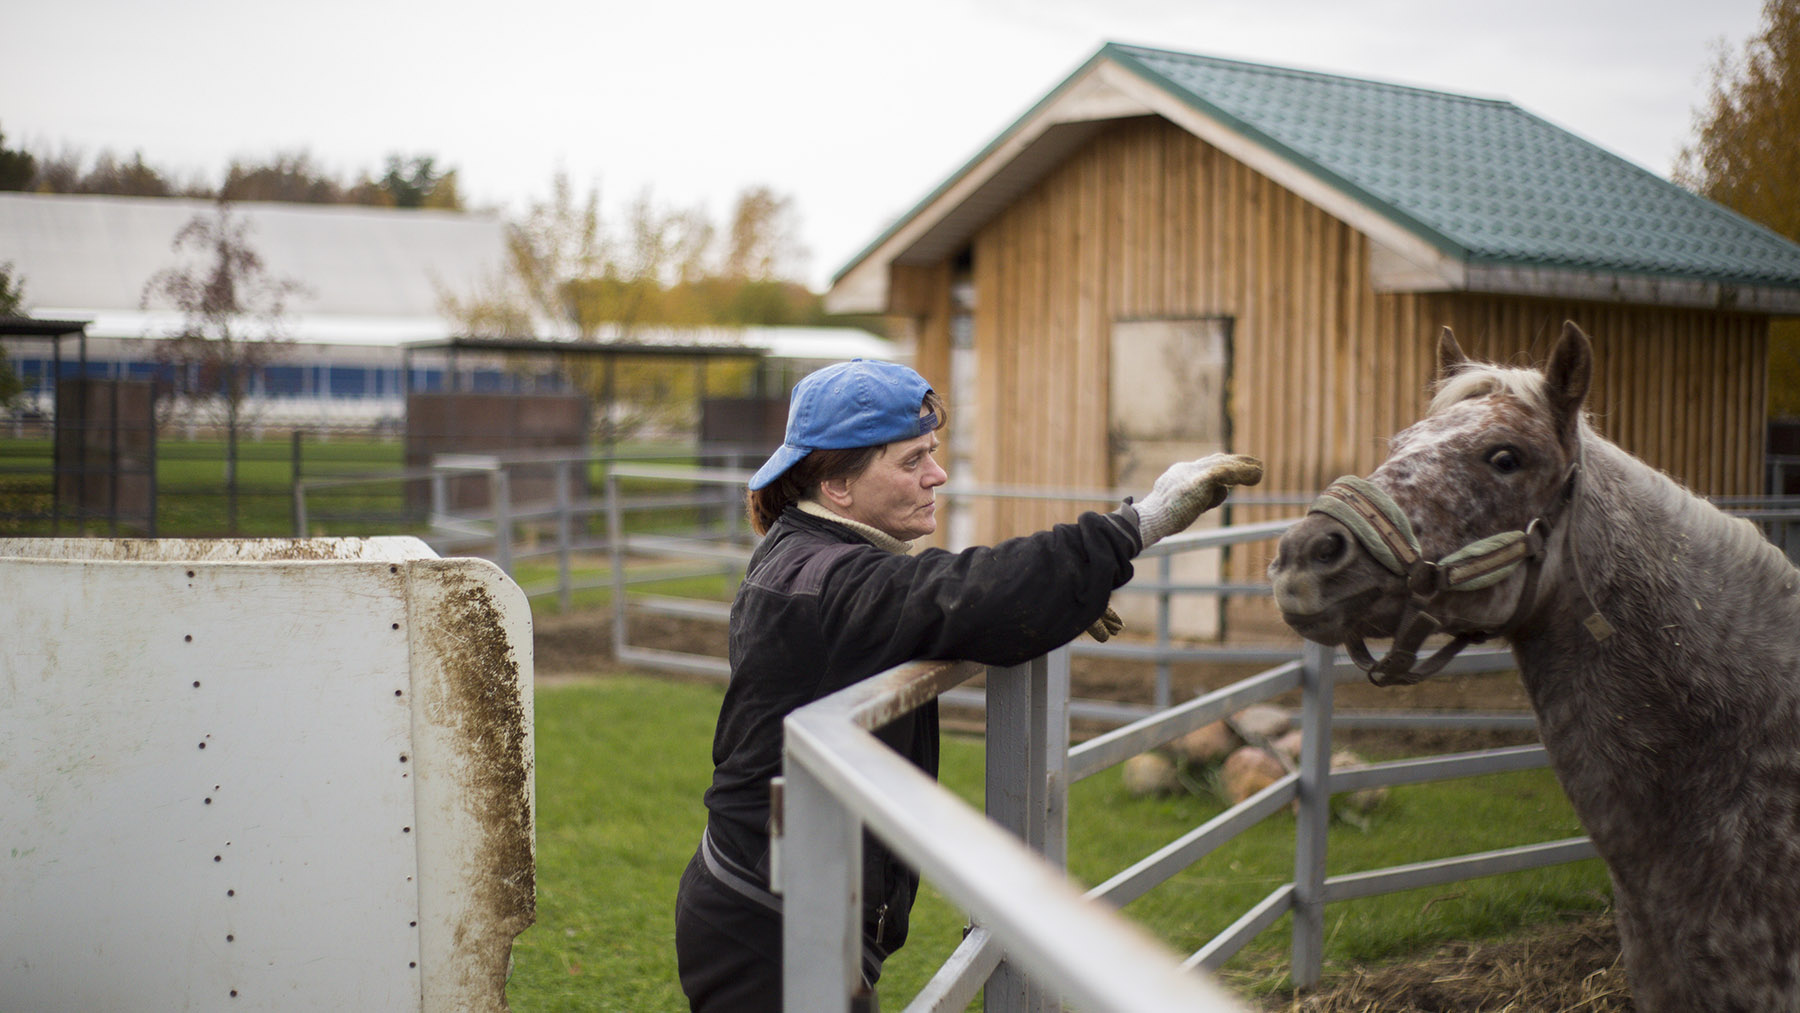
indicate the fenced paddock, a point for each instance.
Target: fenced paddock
{"x":1008,"y":952}
{"x":569,"y":530}
{"x":50,"y":490}
{"x":1044,"y":947}
{"x":1033,"y":946}
{"x":261,"y":775}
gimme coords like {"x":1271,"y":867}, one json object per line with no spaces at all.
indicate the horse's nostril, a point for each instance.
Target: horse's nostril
{"x":1329,"y":548}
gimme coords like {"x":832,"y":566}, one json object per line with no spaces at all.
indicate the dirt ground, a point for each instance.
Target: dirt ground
{"x":1568,"y":966}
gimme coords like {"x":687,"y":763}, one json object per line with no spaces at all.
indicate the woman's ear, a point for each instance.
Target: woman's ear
{"x":836,"y":492}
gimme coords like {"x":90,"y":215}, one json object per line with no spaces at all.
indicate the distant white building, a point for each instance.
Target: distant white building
{"x":374,"y":282}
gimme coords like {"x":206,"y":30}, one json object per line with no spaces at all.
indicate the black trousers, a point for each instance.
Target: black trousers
{"x":728,"y":949}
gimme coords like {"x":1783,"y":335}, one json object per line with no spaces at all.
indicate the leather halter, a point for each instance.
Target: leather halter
{"x":1382,"y":528}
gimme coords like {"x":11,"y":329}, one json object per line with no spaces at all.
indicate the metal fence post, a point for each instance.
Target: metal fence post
{"x":1165,"y":574}
{"x":1314,"y":818}
{"x":299,"y":505}
{"x":564,"y":589}
{"x":734,"y":511}
{"x":1020,"y":740}
{"x":1056,"y":756}
{"x":821,"y":886}
{"x":299,"y":511}
{"x":440,"y":494}
{"x":503,"y":534}
{"x":615,"y":554}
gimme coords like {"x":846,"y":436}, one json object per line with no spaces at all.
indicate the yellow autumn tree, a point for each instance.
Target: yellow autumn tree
{"x":638,"y":276}
{"x":1745,"y":156}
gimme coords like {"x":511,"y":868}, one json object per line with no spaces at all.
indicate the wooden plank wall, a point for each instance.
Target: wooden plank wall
{"x":1150,"y":222}
{"x":1684,"y":390}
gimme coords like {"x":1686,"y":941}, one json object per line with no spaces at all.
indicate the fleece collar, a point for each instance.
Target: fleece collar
{"x":882,"y":539}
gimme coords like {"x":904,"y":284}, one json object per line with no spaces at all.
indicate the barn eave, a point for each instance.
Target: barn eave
{"x":1462,"y":237}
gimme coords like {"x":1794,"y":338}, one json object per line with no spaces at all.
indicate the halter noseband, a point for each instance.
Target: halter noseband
{"x":1382,"y":528}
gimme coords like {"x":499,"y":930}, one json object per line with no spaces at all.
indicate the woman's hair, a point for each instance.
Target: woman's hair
{"x":794,"y":484}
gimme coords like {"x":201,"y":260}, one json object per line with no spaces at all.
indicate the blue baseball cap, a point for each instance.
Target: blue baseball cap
{"x":860,"y":403}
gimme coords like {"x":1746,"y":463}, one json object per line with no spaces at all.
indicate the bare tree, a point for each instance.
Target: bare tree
{"x":233,"y":324}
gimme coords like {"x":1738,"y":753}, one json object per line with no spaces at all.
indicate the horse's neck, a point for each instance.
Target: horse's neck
{"x":1693,"y":596}
{"x":1657,"y":554}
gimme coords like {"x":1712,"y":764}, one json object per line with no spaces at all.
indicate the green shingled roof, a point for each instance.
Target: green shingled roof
{"x":1481,"y":179}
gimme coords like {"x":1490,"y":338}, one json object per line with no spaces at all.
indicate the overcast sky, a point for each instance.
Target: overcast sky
{"x":855,"y":108}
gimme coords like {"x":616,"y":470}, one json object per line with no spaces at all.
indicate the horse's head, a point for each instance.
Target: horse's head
{"x":1445,"y":535}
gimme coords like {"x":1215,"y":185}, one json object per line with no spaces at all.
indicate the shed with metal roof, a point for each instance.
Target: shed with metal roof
{"x":1173,"y":253}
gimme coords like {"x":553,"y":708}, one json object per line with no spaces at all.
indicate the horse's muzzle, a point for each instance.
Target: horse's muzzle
{"x":1325,"y":586}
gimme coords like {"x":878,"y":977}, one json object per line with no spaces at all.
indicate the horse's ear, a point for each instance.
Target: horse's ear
{"x":1569,"y":373}
{"x":1451,"y":359}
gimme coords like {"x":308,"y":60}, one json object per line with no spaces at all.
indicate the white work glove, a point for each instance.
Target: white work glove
{"x":1189,"y":489}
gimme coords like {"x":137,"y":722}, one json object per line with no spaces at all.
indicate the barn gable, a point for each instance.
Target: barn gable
{"x":1456,"y":193}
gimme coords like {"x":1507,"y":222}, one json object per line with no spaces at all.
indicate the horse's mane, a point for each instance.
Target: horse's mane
{"x":1527,"y":385}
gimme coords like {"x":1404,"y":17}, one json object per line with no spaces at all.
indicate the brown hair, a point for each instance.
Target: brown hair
{"x":793,"y":485}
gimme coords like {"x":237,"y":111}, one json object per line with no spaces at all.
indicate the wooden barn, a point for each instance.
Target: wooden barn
{"x":1172,"y":253}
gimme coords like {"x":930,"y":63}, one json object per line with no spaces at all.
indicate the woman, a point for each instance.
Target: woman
{"x":832,"y":596}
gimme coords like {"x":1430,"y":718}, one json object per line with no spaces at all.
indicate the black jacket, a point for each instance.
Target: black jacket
{"x":821,"y":608}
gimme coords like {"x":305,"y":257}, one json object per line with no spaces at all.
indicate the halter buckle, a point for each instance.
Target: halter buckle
{"x":1426,"y":580}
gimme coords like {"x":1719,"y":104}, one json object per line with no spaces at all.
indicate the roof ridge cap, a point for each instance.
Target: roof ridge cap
{"x":1132,"y":50}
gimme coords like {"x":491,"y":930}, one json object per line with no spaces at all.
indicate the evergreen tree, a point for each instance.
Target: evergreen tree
{"x":12,"y":304}
{"x":17,"y":168}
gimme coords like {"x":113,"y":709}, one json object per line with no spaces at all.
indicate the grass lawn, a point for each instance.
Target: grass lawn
{"x":622,"y":762}
{"x":191,"y":500}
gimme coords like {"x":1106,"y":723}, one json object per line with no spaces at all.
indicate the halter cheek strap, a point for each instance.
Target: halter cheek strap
{"x":1383,"y":530}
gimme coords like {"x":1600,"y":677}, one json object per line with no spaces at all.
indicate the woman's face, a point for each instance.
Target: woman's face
{"x":894,"y":493}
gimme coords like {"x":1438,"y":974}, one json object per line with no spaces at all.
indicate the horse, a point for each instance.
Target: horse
{"x":1657,"y":638}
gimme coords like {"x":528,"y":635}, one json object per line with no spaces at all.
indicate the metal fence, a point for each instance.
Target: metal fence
{"x":121,"y":478}
{"x":1029,"y":759}
{"x":1036,"y":941}
{"x":573,"y":521}
{"x":1032,"y":945}
{"x":566,"y":528}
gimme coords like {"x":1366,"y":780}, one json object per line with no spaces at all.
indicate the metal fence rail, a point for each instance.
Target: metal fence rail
{"x":1037,"y":941}
{"x":850,"y":782}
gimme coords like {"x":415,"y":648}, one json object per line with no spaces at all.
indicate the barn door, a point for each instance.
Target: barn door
{"x":1169,"y":403}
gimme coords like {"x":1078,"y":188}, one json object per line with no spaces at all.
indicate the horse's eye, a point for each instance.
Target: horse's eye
{"x":1506,"y":460}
